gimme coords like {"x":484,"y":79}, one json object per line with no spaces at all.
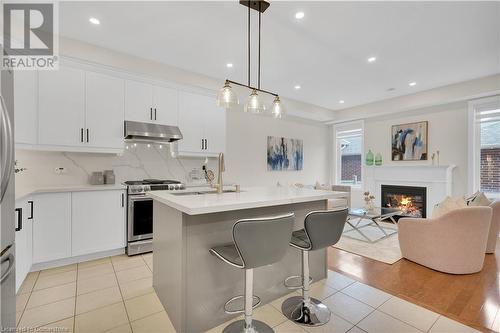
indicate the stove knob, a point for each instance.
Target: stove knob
{"x":146,"y":188}
{"x":171,"y":187}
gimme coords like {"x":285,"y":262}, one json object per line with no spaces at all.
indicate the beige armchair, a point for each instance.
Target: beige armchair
{"x":453,"y":243}
{"x":494,"y":227}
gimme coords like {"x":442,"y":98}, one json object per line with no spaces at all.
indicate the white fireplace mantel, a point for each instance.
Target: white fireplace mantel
{"x":437,"y":179}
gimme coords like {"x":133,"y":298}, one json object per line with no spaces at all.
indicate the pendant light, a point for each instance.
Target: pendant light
{"x":277,"y":109}
{"x":254,"y":104}
{"x":227,"y":97}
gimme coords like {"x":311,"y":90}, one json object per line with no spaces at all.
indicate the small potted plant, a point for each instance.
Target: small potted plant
{"x":369,"y":205}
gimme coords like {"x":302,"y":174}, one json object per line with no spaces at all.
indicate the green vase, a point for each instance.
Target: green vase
{"x":378,"y":159}
{"x":369,"y":157}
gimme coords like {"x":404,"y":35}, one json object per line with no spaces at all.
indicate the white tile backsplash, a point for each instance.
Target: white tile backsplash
{"x":135,"y":163}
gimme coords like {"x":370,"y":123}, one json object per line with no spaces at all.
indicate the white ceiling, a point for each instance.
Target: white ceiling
{"x":431,"y":43}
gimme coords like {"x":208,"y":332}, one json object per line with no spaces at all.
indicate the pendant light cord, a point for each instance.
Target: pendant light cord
{"x":248,"y":45}
{"x":258,"y":83}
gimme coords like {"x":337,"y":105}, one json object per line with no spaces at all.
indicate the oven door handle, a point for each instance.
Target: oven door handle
{"x":132,"y":199}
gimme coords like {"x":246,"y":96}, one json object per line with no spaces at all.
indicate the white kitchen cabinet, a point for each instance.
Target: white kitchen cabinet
{"x":24,"y":233}
{"x":203,"y":125}
{"x":191,"y":122}
{"x":61,"y":107}
{"x":104,"y":111}
{"x":138,"y":101}
{"x":149,"y":103}
{"x":98,"y":221}
{"x":165,"y":105}
{"x":51,"y":227}
{"x":25,"y":103}
{"x":214,"y":130}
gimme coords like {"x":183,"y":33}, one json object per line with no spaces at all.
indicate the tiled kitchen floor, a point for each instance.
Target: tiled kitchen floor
{"x":116,"y":295}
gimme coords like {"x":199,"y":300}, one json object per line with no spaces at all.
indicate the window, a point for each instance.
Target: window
{"x":349,"y":153}
{"x":485,"y":146}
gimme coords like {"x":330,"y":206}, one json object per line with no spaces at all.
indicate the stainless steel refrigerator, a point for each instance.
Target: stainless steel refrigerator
{"x":7,"y":203}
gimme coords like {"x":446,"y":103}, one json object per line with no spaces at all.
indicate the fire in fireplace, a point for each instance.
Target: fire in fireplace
{"x":411,"y":200}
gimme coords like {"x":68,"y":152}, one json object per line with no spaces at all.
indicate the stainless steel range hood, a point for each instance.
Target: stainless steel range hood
{"x":137,"y":131}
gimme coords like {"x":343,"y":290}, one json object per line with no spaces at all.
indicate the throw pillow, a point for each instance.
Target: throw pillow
{"x":447,"y":205}
{"x":480,"y":200}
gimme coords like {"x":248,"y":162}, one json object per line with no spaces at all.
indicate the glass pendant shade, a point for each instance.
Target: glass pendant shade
{"x":227,"y":97}
{"x":254,"y":104}
{"x":277,"y":109}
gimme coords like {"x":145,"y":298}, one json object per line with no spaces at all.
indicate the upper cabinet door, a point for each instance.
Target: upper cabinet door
{"x":165,"y":105}
{"x":61,"y":102}
{"x":191,"y":119}
{"x":138,"y":101}
{"x":25,"y":101}
{"x":215,"y":128}
{"x":105,"y":111}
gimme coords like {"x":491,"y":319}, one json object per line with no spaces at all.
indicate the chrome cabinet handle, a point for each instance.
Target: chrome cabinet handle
{"x":155,"y":113}
{"x":7,"y":147}
{"x":81,"y":134}
{"x":11,"y":260}
{"x":88,"y":131}
{"x":151,"y":113}
{"x":31,"y":210}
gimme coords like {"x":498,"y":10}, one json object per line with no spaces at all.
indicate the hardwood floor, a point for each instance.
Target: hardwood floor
{"x":472,"y":299}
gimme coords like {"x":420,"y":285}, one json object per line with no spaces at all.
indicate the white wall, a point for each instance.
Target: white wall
{"x":246,"y":160}
{"x":447,"y":133}
{"x":446,"y":110}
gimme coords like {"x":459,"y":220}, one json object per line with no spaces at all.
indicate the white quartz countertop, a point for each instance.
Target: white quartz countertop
{"x":249,"y":197}
{"x":24,"y":192}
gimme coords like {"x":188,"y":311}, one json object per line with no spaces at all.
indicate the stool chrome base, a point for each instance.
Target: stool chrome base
{"x":313,"y":314}
{"x":239,"y":327}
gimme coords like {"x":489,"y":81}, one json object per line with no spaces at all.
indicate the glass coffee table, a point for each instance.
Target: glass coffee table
{"x":375,"y":216}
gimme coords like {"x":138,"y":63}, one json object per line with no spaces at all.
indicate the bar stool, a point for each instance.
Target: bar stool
{"x":321,"y":229}
{"x":256,"y":242}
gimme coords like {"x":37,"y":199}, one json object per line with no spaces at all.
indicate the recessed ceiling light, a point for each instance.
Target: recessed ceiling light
{"x":95,"y":21}
{"x":372,"y":59}
{"x":391,"y":89}
{"x":229,"y":65}
{"x":297,"y":87}
{"x":299,"y":15}
{"x":412,"y":84}
{"x":341,"y":101}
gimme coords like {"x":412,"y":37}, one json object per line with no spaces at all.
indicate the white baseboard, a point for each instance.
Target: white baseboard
{"x":72,"y":260}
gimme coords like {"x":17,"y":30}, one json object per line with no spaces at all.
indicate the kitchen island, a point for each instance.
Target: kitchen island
{"x":192,"y":284}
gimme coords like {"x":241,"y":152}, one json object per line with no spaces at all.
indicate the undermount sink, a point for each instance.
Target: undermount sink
{"x":201,"y":192}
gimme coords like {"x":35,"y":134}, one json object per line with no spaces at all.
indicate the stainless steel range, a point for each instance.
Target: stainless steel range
{"x":140,"y":212}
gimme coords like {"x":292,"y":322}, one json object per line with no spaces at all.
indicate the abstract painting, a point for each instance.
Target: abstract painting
{"x":409,"y":142}
{"x":284,"y":154}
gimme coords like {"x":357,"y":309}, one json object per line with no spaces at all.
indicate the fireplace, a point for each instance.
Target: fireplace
{"x":411,"y":200}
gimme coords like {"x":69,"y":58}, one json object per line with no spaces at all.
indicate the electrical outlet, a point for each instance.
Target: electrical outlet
{"x":60,"y":170}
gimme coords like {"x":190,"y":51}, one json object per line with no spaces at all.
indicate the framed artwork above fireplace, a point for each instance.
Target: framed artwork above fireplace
{"x":409,"y":141}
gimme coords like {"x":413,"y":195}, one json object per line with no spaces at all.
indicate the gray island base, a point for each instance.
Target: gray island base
{"x":193,"y":285}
